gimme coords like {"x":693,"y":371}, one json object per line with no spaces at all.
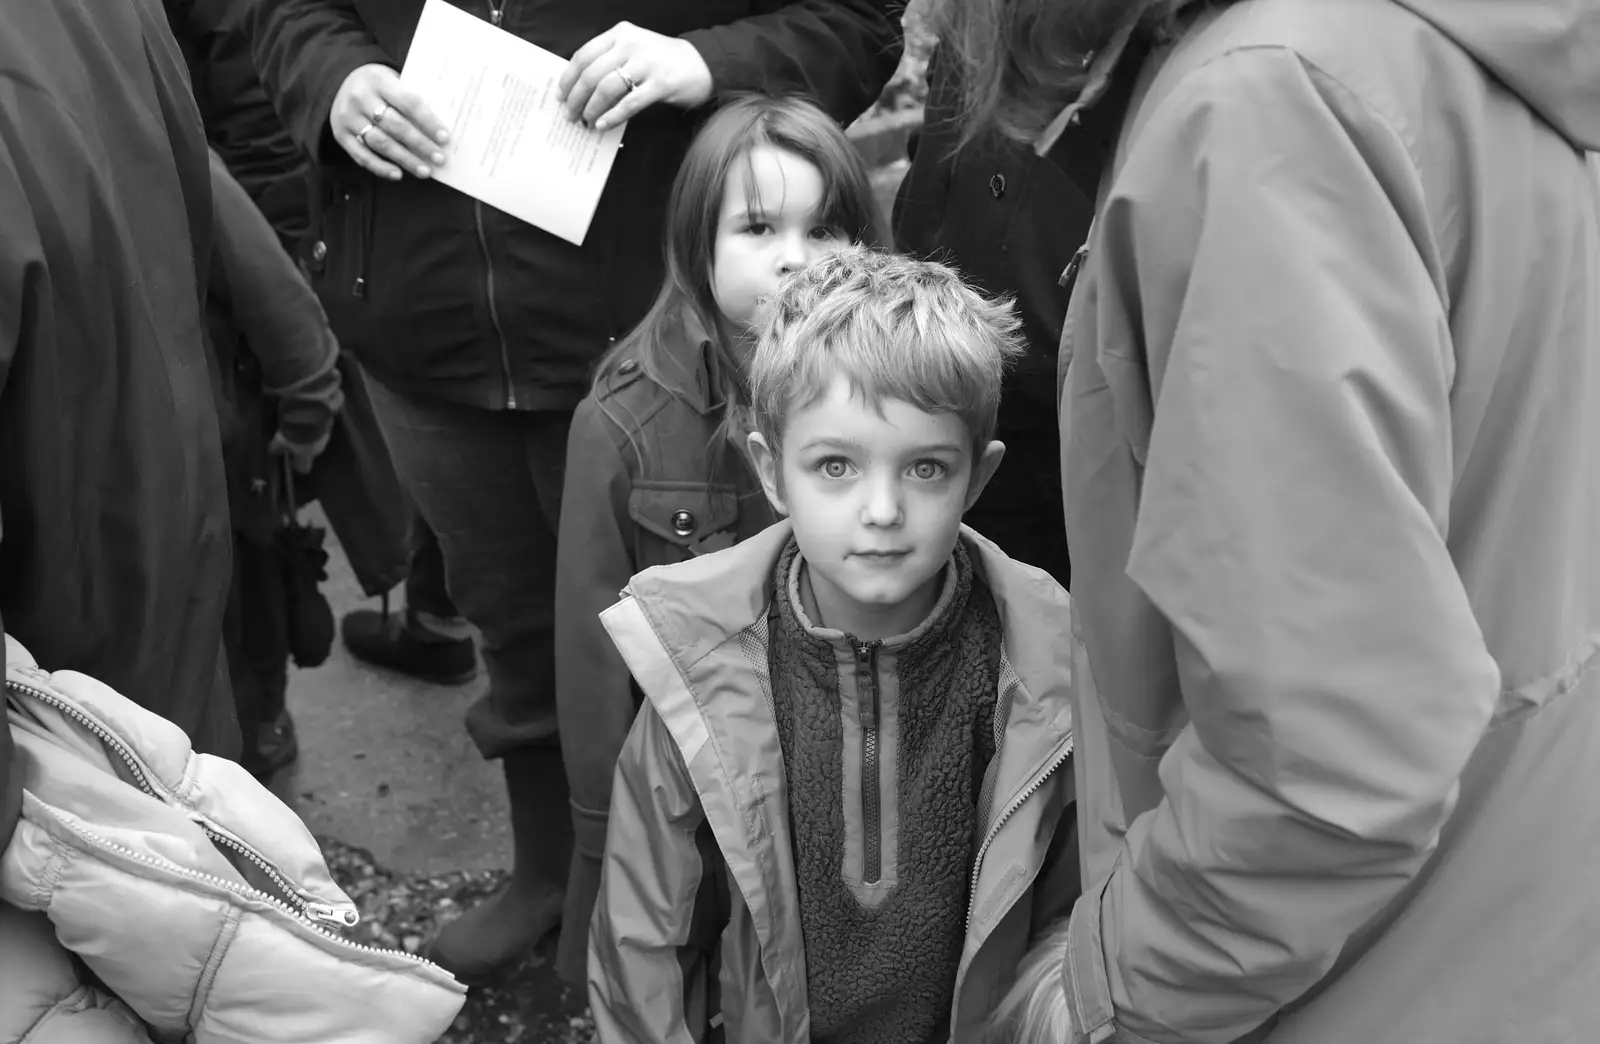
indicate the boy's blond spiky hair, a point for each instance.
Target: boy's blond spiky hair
{"x":895,"y":328}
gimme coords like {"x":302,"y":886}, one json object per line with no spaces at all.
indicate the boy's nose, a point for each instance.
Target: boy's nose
{"x":883,"y":506}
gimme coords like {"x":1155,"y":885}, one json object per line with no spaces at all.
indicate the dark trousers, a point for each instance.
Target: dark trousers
{"x":488,"y":484}
{"x":426,"y":590}
{"x":1021,"y":510}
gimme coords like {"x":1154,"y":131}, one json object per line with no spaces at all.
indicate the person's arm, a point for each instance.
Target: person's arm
{"x":1266,"y":241}
{"x":645,"y":911}
{"x":594,"y":690}
{"x":280,"y":318}
{"x":840,"y":52}
{"x":304,"y":50}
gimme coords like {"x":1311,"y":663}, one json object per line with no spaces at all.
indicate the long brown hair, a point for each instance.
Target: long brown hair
{"x":790,"y":123}
{"x":1023,"y":61}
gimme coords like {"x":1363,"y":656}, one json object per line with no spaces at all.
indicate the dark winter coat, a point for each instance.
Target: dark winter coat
{"x":640,"y":491}
{"x":441,"y":296}
{"x":240,"y":122}
{"x":1008,"y":219}
{"x":115,"y":558}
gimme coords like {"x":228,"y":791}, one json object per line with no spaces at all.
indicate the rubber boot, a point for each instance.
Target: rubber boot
{"x":495,"y":935}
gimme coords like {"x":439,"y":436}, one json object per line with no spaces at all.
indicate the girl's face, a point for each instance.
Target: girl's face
{"x":770,"y":225}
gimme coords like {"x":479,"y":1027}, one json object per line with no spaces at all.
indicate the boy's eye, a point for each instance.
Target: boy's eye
{"x":929,"y":470}
{"x":828,"y":234}
{"x":834,"y":467}
{"x":758,"y":228}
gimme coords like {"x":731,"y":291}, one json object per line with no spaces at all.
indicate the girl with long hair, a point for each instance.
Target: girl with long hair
{"x":656,"y":470}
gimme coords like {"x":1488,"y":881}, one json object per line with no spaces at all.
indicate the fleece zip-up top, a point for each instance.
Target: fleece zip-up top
{"x":885,"y":745}
{"x":705,"y":754}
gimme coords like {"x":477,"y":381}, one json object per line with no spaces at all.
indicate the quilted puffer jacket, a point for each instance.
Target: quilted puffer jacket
{"x":185,"y":887}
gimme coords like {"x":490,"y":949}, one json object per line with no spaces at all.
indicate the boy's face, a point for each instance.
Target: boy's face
{"x":876,"y":504}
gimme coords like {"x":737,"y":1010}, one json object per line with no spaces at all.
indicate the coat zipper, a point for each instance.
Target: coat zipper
{"x":1009,"y":811}
{"x":308,"y":908}
{"x":79,"y":829}
{"x":497,"y":15}
{"x":494,"y":312}
{"x":871,"y":797}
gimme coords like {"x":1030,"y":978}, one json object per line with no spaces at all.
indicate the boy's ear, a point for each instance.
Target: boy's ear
{"x":983,"y":470}
{"x":766,"y":462}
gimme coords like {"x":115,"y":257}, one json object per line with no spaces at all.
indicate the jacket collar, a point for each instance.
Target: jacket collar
{"x":695,"y":376}
{"x":705,"y":601}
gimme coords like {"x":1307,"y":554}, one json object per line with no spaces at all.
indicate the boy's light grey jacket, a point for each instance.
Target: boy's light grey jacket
{"x":705,"y":751}
{"x":1332,"y":468}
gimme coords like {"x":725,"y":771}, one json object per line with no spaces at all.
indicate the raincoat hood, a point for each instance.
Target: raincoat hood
{"x":1546,"y":51}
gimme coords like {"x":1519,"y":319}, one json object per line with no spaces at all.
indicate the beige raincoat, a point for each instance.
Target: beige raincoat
{"x":705,"y":752}
{"x":1332,"y":466}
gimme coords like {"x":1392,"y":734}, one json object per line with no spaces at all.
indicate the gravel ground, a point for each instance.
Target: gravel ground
{"x":529,"y":1005}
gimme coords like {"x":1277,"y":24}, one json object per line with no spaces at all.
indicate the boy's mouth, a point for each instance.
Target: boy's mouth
{"x":880,"y":556}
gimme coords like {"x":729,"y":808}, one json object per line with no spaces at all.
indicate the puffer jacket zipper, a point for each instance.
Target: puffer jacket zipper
{"x":497,"y":15}
{"x":871,"y":795}
{"x":305,"y":907}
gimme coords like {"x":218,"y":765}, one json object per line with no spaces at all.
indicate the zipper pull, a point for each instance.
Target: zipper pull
{"x":867,"y":685}
{"x":339,"y":916}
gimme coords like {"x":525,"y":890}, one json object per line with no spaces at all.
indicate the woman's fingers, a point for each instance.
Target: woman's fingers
{"x":423,"y":132}
{"x":615,"y":85}
{"x":384,"y":127}
{"x":627,"y":69}
{"x":594,"y":79}
{"x":388,"y":145}
{"x":567,"y":88}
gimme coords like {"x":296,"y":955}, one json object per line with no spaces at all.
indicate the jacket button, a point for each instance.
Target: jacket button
{"x":997,"y":185}
{"x":320,"y":251}
{"x":683,"y":522}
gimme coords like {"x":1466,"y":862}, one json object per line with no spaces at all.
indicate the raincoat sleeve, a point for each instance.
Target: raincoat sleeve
{"x":1266,"y":245}
{"x":594,"y":689}
{"x":840,"y":52}
{"x":642,"y":921}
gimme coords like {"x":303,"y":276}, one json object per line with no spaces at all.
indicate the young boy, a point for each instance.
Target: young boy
{"x":842,"y":807}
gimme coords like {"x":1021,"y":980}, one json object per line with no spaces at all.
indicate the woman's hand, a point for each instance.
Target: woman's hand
{"x":385,"y":127}
{"x":627,"y":69}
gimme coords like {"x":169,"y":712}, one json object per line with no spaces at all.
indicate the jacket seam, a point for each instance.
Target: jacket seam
{"x":208,"y":974}
{"x":79,"y":1000}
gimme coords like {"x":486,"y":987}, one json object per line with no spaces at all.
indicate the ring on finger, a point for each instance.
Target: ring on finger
{"x":629,"y":80}
{"x":361,"y":135}
{"x":377,"y":117}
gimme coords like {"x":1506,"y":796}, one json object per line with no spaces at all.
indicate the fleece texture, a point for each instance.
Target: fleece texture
{"x":883,"y":972}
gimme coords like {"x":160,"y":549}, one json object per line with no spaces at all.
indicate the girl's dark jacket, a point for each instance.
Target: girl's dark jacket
{"x":651,"y":479}
{"x":441,"y":296}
